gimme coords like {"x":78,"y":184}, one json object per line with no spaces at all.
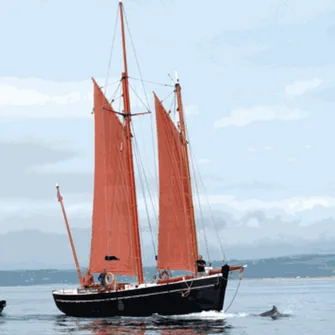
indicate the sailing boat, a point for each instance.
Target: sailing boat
{"x":115,"y":242}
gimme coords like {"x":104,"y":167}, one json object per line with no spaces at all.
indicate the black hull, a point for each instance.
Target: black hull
{"x":206,"y":294}
{"x":2,"y":305}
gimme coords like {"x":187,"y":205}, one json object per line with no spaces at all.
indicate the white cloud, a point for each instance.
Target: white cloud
{"x":33,"y":98}
{"x":243,"y":116}
{"x":301,"y":87}
{"x":290,"y":205}
{"x":13,"y":96}
{"x":268,"y":148}
{"x":250,"y":149}
{"x":81,"y":205}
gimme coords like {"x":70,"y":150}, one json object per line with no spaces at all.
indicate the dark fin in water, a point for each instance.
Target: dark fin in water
{"x":2,"y":305}
{"x":273,"y":312}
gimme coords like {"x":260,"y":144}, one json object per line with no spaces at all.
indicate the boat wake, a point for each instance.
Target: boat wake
{"x":208,"y":315}
{"x":214,"y":315}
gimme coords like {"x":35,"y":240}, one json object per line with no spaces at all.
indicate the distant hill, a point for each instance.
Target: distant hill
{"x":293,"y":266}
{"x":34,"y":249}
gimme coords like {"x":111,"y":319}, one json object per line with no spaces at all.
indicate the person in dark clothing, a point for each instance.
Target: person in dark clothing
{"x":102,"y":278}
{"x":200,"y":263}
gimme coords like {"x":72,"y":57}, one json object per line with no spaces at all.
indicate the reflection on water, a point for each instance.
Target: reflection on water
{"x":195,"y":324}
{"x":136,"y":326}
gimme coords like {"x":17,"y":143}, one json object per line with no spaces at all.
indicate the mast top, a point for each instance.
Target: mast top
{"x":120,"y":1}
{"x":176,"y":77}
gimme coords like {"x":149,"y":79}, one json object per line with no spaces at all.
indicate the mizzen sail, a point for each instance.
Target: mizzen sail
{"x":113,"y":222}
{"x":175,"y":239}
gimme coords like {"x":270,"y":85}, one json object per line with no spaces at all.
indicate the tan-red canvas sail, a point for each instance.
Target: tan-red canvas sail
{"x":112,"y":226}
{"x":175,"y":240}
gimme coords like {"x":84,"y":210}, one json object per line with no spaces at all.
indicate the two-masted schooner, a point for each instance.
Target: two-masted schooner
{"x":115,"y":241}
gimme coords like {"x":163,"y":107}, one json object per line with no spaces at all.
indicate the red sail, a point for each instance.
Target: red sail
{"x":112,"y":226}
{"x":175,"y":242}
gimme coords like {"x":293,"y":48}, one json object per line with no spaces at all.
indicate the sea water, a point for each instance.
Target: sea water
{"x":308,"y":303}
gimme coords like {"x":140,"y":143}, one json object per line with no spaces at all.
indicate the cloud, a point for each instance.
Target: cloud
{"x":254,"y":234}
{"x":243,"y":116}
{"x":13,"y":96}
{"x":18,"y":179}
{"x":289,"y":206}
{"x":33,"y":98}
{"x":299,"y":88}
{"x":248,"y":225}
{"x":80,"y":205}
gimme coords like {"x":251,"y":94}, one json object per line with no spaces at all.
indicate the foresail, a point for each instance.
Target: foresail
{"x":175,"y":242}
{"x":112,"y":222}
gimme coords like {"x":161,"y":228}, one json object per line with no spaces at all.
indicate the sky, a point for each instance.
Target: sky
{"x":258,"y":90}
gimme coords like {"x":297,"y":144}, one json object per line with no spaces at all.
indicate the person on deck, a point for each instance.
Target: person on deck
{"x":88,"y":279}
{"x":200,"y":263}
{"x":102,"y":278}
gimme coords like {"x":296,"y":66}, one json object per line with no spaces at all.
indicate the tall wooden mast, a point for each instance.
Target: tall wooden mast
{"x":187,"y":167}
{"x":127,"y":117}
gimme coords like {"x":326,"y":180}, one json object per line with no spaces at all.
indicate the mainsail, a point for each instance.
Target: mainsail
{"x":176,"y":250}
{"x":113,"y":222}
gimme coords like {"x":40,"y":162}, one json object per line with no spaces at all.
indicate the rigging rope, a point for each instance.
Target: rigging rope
{"x":235,"y":295}
{"x":167,"y":97}
{"x":111,"y":52}
{"x":141,"y":167}
{"x":145,"y":93}
{"x":116,"y":90}
{"x":138,"y":97}
{"x":196,"y":187}
{"x":151,"y":82}
{"x":110,"y":84}
{"x":212,"y":220}
{"x":103,"y":131}
{"x":201,"y":215}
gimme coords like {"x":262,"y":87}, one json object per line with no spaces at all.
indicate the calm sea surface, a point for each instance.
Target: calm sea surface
{"x":309,"y":303}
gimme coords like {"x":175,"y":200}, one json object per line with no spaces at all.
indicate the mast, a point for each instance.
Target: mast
{"x":60,"y":199}
{"x":187,"y":167}
{"x":127,"y":117}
